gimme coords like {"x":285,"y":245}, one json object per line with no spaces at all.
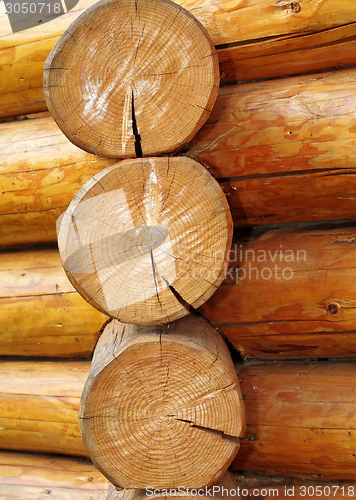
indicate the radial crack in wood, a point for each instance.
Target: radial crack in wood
{"x":132,"y":78}
{"x":162,"y":405}
{"x":146,"y":240}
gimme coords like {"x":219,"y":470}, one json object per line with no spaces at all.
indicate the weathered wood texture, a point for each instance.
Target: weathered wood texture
{"x":287,"y":147}
{"x":28,"y":476}
{"x":318,"y":36}
{"x":290,"y":293}
{"x":265,"y":486}
{"x":300,"y":420}
{"x":40,"y":312}
{"x":39,"y":403}
{"x":162,"y":406}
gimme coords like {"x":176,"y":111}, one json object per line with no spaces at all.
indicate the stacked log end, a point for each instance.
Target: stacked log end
{"x":155,"y":94}
{"x":146,"y":239}
{"x":162,"y":405}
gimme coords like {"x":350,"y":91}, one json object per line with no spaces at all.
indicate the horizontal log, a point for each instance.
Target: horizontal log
{"x":290,"y":293}
{"x":41,"y":314}
{"x":306,"y":36}
{"x":300,"y":420}
{"x":300,"y":416}
{"x":39,"y":403}
{"x":40,"y":173}
{"x":288,"y":55}
{"x":37,"y":477}
{"x":284,"y":151}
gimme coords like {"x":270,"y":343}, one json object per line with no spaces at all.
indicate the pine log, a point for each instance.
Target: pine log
{"x":225,"y":487}
{"x":265,"y":486}
{"x":315,"y":38}
{"x":155,"y":94}
{"x":40,"y":171}
{"x":147,"y":239}
{"x":290,"y":293}
{"x":300,"y":416}
{"x":300,"y":420}
{"x":308,"y":314}
{"x":29,"y":476}
{"x":41,"y":314}
{"x":162,"y":406}
{"x":284,"y":151}
{"x":39,"y":403}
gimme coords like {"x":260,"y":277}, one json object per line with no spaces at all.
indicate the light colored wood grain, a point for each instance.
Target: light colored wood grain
{"x":162,"y":406}
{"x":293,"y":429}
{"x":290,"y":293}
{"x":146,"y":239}
{"x":289,"y":54}
{"x":41,"y":314}
{"x":39,"y":403}
{"x":286,"y":146}
{"x":48,"y":472}
{"x":274,"y":176}
{"x":147,"y":90}
{"x":245,"y":24}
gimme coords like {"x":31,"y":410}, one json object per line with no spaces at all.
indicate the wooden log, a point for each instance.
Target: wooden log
{"x":161,"y":407}
{"x":289,"y":54}
{"x":39,"y":403}
{"x":225,"y":487}
{"x":300,"y":420}
{"x":300,"y":416}
{"x":40,"y":173}
{"x":147,"y":239}
{"x":28,"y":476}
{"x":326,"y":33}
{"x":265,"y":486}
{"x":41,"y":314}
{"x":286,"y":146}
{"x":307,"y":314}
{"x":159,"y":91}
{"x":290,"y":293}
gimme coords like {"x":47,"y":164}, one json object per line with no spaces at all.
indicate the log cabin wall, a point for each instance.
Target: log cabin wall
{"x":284,"y":152}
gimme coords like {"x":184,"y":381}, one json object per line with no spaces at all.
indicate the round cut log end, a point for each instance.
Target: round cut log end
{"x":162,"y":410}
{"x":132,"y":78}
{"x":146,"y":239}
